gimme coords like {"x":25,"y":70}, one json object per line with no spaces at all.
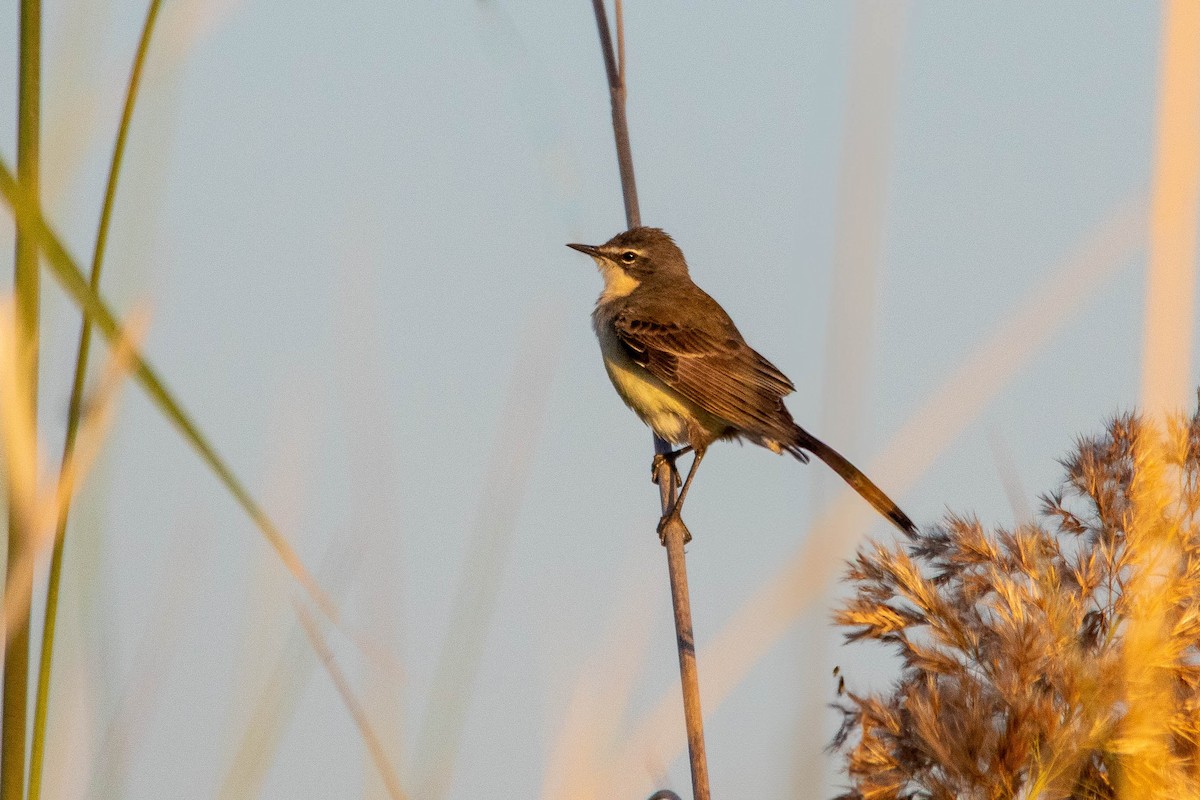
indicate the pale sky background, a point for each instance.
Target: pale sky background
{"x":347,"y":220}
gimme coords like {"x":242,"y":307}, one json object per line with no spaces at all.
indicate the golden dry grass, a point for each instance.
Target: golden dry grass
{"x":1059,"y":659}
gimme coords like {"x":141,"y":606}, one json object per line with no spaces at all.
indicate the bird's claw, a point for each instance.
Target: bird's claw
{"x":656,"y":466}
{"x":669,"y":521}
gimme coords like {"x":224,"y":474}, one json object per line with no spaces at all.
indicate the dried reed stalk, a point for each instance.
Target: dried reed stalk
{"x":673,"y":533}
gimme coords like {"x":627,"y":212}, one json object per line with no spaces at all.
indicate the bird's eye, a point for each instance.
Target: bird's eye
{"x":629,"y":256}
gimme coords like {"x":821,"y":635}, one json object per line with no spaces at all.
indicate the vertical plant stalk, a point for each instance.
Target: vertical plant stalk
{"x":74,"y":411}
{"x":26,"y":287}
{"x":614,"y":65}
{"x":1174,"y":200}
{"x":1170,"y":287}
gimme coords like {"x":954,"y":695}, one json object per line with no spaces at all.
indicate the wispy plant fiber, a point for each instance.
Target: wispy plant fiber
{"x":1060,"y":659}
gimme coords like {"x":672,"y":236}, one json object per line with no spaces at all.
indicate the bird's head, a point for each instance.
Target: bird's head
{"x":630,"y":258}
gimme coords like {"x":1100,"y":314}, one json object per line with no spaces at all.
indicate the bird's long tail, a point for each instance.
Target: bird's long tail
{"x":853,"y":476}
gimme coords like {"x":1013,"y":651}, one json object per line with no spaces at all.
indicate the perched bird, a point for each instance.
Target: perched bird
{"x":676,"y":358}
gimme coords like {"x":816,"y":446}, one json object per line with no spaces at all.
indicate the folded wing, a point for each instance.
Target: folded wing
{"x":711,"y":365}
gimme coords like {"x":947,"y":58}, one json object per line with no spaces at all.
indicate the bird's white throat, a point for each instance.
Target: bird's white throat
{"x":617,"y":282}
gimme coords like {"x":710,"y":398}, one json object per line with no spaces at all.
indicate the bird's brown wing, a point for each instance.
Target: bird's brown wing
{"x":708,"y":362}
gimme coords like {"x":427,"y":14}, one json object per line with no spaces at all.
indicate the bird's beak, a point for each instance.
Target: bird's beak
{"x":586,"y":249}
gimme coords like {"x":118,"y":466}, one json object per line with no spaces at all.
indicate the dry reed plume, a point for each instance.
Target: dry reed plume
{"x":1056,"y":660}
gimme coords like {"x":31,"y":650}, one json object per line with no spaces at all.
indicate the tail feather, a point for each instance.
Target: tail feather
{"x":853,"y":476}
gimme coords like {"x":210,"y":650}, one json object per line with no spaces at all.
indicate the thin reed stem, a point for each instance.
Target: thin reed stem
{"x":74,"y":410}
{"x":689,"y":676}
{"x":616,"y":91}
{"x":27,"y":288}
{"x":673,"y":533}
{"x":374,"y":746}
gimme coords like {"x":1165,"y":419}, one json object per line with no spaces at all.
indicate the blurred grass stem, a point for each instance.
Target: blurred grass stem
{"x":1174,"y":201}
{"x":75,"y":407}
{"x":29,"y":219}
{"x":673,"y":533}
{"x":370,"y":738}
{"x":504,"y":488}
{"x":27,"y":290}
{"x":1156,"y":543}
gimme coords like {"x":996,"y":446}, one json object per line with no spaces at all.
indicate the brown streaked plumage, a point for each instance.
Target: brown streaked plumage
{"x":676,"y":358}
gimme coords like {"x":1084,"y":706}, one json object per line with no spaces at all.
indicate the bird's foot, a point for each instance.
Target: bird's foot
{"x":668,"y":522}
{"x":668,"y":459}
{"x":661,"y":460}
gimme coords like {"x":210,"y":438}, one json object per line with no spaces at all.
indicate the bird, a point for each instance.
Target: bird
{"x":678,"y":361}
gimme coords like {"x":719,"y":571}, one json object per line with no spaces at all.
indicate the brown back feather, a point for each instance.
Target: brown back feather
{"x":693,"y":346}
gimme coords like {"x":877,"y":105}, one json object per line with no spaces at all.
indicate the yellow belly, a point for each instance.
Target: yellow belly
{"x":662,"y":408}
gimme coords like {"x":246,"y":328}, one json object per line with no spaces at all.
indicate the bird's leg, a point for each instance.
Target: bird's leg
{"x":673,"y":515}
{"x":669,"y":459}
{"x":687,"y":483}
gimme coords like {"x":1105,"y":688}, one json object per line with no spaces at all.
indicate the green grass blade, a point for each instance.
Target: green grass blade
{"x":42,"y":702}
{"x":26,"y":286}
{"x":65,"y":269}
